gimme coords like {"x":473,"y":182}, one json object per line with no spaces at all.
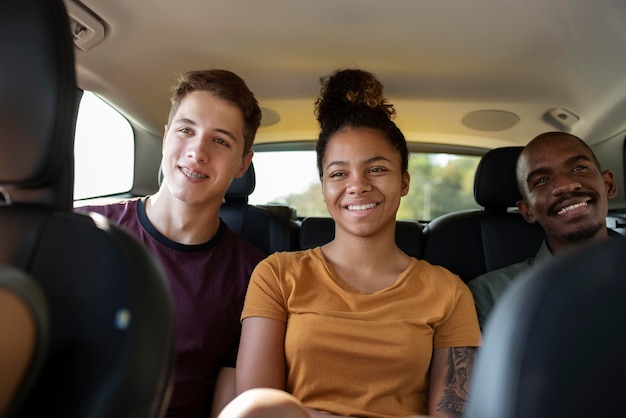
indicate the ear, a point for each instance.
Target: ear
{"x":406,"y":180}
{"x":245,"y":163}
{"x":611,"y":189}
{"x":525,"y":210}
{"x":164,"y":138}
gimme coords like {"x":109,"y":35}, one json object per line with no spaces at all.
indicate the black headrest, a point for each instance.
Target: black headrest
{"x":316,"y":231}
{"x":38,"y":99}
{"x":495,"y":183}
{"x":242,"y":187}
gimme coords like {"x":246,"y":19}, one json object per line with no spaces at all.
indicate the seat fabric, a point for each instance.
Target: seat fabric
{"x":271,"y":228}
{"x":472,"y":242}
{"x":110,"y":350}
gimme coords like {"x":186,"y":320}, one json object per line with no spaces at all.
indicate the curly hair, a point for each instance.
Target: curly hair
{"x":353,"y":98}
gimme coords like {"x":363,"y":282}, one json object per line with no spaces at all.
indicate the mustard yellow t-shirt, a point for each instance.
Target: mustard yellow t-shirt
{"x":356,"y":354}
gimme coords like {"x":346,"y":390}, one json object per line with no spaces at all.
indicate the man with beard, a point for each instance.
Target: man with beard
{"x":563,"y":189}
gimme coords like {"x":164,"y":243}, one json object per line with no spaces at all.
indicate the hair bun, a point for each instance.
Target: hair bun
{"x":344,"y":89}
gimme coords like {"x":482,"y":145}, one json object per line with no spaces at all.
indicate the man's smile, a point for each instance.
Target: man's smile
{"x":571,"y":208}
{"x":193,"y":174}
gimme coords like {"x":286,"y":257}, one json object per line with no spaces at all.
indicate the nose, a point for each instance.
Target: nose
{"x":197,"y":150}
{"x":359,"y":183}
{"x":565,"y":183}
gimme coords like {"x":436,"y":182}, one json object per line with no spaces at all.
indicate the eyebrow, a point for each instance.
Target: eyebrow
{"x":186,"y":120}
{"x":570,"y":160}
{"x":220,"y":130}
{"x":368,"y":161}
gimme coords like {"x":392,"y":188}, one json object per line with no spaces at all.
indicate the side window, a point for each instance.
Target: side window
{"x":288,"y":178}
{"x":104,"y":150}
{"x":440,"y":183}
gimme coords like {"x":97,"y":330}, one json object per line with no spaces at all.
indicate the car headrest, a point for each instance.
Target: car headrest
{"x":240,"y":188}
{"x":495,"y":183}
{"x":38,"y":102}
{"x":521,"y":369}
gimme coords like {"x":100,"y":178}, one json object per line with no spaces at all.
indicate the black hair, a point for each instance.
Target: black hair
{"x":353,"y":98}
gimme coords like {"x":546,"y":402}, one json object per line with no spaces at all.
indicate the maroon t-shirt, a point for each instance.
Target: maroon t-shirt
{"x":208,"y":283}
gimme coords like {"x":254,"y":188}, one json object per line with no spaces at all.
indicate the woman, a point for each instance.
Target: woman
{"x":356,"y":327}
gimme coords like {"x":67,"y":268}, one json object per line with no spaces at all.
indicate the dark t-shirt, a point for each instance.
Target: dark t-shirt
{"x":208,"y":283}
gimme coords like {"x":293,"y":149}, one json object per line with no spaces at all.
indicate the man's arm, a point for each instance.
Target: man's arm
{"x":482,"y":300}
{"x":224,"y":390}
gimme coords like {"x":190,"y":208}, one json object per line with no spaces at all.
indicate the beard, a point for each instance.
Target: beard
{"x":583,"y":233}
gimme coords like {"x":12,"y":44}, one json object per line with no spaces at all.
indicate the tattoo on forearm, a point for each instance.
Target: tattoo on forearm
{"x":456,"y":389}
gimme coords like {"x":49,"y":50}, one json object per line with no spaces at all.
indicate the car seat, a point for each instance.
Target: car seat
{"x":316,"y":231}
{"x":555,"y":342}
{"x":110,"y":351}
{"x":472,"y":242}
{"x":270,"y":227}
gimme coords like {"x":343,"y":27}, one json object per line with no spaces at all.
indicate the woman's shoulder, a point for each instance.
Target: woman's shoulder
{"x":298,"y":257}
{"x":439,"y":275}
{"x":287,"y":268}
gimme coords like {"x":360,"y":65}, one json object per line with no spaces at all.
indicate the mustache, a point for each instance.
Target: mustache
{"x":590,"y":194}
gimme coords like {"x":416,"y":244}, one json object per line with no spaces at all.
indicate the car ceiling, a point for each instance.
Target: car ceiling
{"x":439,"y":60}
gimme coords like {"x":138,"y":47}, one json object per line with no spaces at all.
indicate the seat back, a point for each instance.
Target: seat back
{"x":111,"y":331}
{"x":271,"y":228}
{"x":472,"y":242}
{"x":316,"y":231}
{"x":555,"y":342}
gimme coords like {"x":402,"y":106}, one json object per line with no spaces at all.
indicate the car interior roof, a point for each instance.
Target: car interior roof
{"x":440,"y":61}
{"x":465,"y":77}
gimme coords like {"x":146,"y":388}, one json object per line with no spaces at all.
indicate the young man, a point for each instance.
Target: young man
{"x":207,"y":142}
{"x":566,"y":192}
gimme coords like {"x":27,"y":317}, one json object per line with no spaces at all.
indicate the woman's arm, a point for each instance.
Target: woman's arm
{"x":261,"y":357}
{"x":449,"y":380}
{"x":261,"y":364}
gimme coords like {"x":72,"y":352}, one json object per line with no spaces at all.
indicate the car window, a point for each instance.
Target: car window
{"x":104,"y":150}
{"x":440,"y":183}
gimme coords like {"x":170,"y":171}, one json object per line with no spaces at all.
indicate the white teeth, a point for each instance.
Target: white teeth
{"x":362,"y":207}
{"x":193,"y":175}
{"x":571,"y":207}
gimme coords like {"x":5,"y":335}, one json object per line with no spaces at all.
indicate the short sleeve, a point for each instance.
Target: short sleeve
{"x":460,"y":327}
{"x":265,"y":296}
